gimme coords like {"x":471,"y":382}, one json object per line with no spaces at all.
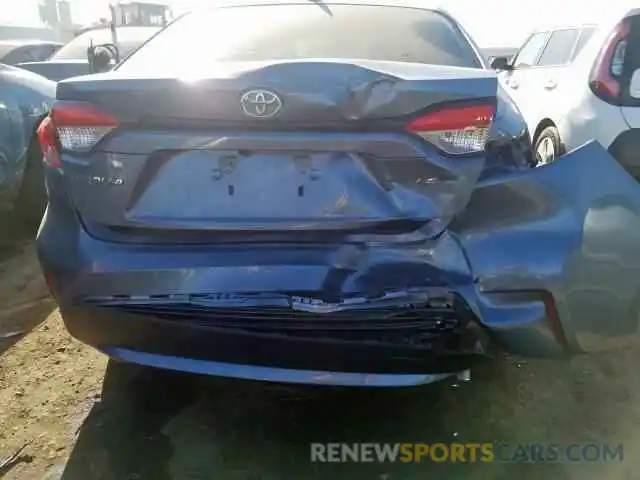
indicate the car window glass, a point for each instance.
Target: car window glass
{"x":585,"y":35}
{"x":129,"y":38}
{"x":559,"y":48}
{"x":17,"y":55}
{"x":31,"y":53}
{"x":4,"y":51}
{"x":305,"y":31}
{"x":42,"y":52}
{"x":529,"y":52}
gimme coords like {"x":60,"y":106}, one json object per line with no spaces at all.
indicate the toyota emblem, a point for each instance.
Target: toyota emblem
{"x":260,"y":103}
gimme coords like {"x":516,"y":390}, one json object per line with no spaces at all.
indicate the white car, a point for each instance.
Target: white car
{"x":581,"y":83}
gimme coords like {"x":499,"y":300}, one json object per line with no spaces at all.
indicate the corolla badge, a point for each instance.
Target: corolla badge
{"x":260,"y":103}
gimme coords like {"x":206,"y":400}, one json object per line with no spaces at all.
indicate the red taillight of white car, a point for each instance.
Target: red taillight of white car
{"x":609,"y":65}
{"x":456,"y":130}
{"x":74,"y":127}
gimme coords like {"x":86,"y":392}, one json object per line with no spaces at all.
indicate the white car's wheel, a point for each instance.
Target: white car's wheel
{"x":548,"y":146}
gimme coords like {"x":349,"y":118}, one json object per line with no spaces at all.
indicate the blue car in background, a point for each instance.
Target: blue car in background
{"x":26,"y":95}
{"x":25,"y":99}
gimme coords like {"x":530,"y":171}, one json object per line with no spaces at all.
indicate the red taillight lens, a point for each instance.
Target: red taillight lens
{"x":48,"y":144}
{"x":80,"y":127}
{"x":456,"y":130}
{"x":609,"y":64}
{"x":76,"y":127}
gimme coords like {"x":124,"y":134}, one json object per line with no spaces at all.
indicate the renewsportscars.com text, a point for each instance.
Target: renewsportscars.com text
{"x":465,"y":452}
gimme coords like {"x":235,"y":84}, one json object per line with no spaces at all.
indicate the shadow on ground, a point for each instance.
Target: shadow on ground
{"x":155,"y":425}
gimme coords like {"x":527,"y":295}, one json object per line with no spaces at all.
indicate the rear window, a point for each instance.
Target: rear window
{"x":17,"y":55}
{"x":306,"y":31}
{"x":29,"y":53}
{"x":5,"y":52}
{"x":129,"y":38}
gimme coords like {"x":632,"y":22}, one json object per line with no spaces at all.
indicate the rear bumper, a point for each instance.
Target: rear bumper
{"x":546,"y":260}
{"x":79,"y":266}
{"x":271,"y":374}
{"x":166,"y":344}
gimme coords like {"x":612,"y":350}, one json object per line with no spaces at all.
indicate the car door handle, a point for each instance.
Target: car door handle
{"x":550,"y":85}
{"x":513,"y":84}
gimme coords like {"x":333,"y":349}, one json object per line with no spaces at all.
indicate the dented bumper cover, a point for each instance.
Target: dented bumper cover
{"x":543,"y":262}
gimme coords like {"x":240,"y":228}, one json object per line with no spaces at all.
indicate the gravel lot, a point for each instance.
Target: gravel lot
{"x":81,"y":417}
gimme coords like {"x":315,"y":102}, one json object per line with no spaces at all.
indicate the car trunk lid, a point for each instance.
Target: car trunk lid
{"x":300,"y":145}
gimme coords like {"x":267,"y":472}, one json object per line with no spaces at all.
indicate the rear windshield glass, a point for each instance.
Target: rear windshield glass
{"x":5,"y":50}
{"x":129,"y":38}
{"x":275,"y":32}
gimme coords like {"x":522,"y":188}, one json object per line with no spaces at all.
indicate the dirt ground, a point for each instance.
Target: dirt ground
{"x":79,"y":417}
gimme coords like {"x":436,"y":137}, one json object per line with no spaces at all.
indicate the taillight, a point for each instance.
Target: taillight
{"x":48,"y":143}
{"x":456,"y":130}
{"x":81,"y":126}
{"x":609,"y":65}
{"x":75,"y":127}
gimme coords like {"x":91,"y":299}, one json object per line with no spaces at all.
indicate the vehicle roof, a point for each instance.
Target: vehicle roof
{"x":129,"y":28}
{"x":421,"y":4}
{"x":143,"y":2}
{"x":124,"y":32}
{"x":417,"y":4}
{"x":19,"y":42}
{"x":132,"y":36}
{"x":601,"y":18}
{"x":568,"y":26}
{"x":432,"y":5}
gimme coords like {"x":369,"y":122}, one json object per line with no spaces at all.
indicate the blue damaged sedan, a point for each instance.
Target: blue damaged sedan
{"x":329,"y":193}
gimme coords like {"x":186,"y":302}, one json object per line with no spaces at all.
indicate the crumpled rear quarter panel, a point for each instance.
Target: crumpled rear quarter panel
{"x":572,"y":229}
